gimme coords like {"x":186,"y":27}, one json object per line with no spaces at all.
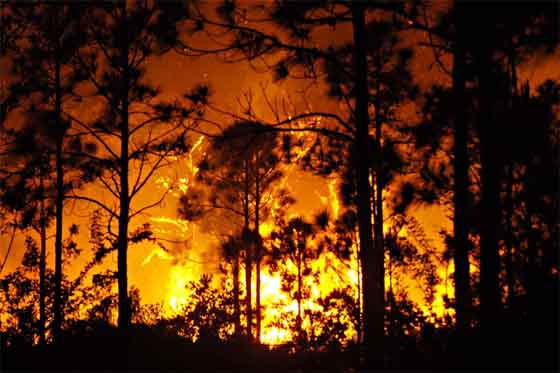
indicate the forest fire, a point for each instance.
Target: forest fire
{"x":279,"y":185}
{"x":177,"y":295}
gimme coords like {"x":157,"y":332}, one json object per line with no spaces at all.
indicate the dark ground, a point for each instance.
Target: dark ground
{"x":518,"y":348}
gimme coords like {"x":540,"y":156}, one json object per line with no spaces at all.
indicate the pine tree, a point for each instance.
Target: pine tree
{"x":46,"y":66}
{"x":299,"y":53}
{"x":294,"y":238}
{"x":137,"y":132}
{"x":238,"y":174}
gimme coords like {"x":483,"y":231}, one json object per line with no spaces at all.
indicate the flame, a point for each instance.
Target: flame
{"x":181,"y":224}
{"x":159,"y":252}
{"x":333,"y":195}
{"x":265,"y":229}
{"x":194,"y":169}
{"x":275,"y":336}
{"x":177,"y":293}
{"x":278,"y":306}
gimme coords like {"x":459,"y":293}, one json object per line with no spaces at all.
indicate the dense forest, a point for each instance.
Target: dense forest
{"x":279,"y":185}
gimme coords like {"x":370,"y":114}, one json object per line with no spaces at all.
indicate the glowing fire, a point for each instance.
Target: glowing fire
{"x":275,"y":336}
{"x":177,"y":294}
{"x":331,"y":272}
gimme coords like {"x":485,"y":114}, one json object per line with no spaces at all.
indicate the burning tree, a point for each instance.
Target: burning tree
{"x":296,"y":53}
{"x":237,"y":177}
{"x":292,"y":242}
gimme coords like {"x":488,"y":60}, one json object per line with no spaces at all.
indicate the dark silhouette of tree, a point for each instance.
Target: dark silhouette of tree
{"x":231,"y":249}
{"x":339,"y":310}
{"x":239,"y":170}
{"x":341,"y":238}
{"x":452,"y":31}
{"x":300,"y":55}
{"x":45,"y":64}
{"x":22,"y":289}
{"x":501,"y":32}
{"x":25,"y":196}
{"x":499,"y":44}
{"x":266,"y":173}
{"x":225,"y":171}
{"x":529,"y":208}
{"x":209,"y":315}
{"x":460,"y":182}
{"x":294,"y":238}
{"x":410,"y":255}
{"x":234,"y":138}
{"x":11,"y":31}
{"x":20,"y":293}
{"x":137,"y":131}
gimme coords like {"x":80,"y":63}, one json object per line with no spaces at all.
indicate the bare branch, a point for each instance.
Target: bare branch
{"x":93,"y":133}
{"x":147,"y":207}
{"x":10,"y":244}
{"x":95,"y":202}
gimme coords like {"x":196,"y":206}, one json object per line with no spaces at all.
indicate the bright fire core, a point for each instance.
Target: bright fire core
{"x":328,"y":271}
{"x":331,"y":274}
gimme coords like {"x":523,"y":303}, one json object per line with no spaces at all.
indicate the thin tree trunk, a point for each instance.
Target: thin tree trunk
{"x":248,"y":256}
{"x":390,"y":296}
{"x":58,"y":313}
{"x":532,"y":290}
{"x":489,"y":257}
{"x":509,"y":236}
{"x":236,"y":305}
{"x":460,"y":185}
{"x":299,"y":286}
{"x":3,"y":51}
{"x":373,"y":198}
{"x":42,"y":267}
{"x":513,"y":71}
{"x":532,"y":267}
{"x":124,"y":309}
{"x":509,"y":192}
{"x":258,"y":298}
{"x":360,"y":311}
{"x":371,"y":257}
{"x":379,"y":179}
{"x":257,"y":253}
{"x":9,"y":248}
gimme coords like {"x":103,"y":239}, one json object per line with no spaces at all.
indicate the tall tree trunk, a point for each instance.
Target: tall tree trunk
{"x":236,"y":305}
{"x":248,"y":256}
{"x":509,"y":191}
{"x":373,"y":194}
{"x":379,"y":178}
{"x":124,"y":309}
{"x":360,"y":311}
{"x":3,"y":51}
{"x":299,"y":286}
{"x":371,"y":257}
{"x":532,"y":289}
{"x":42,"y":267}
{"x":58,"y":313}
{"x":509,"y":235}
{"x":530,"y":284}
{"x":390,"y":296}
{"x":461,"y":183}
{"x":257,"y":252}
{"x":490,"y":198}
